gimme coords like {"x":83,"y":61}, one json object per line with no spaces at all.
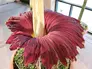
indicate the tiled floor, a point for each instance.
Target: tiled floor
{"x":84,"y":59}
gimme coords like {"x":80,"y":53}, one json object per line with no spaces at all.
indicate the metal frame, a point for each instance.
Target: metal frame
{"x":71,"y":7}
{"x":55,"y":5}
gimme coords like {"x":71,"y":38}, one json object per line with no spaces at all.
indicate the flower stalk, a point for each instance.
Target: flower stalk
{"x":38,"y":20}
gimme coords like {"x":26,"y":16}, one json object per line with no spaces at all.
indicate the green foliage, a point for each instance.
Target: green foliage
{"x":19,"y":61}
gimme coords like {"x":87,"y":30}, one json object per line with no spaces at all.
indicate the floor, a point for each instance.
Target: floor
{"x":12,"y":9}
{"x":84,"y":59}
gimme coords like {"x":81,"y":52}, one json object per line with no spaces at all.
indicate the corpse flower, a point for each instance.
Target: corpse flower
{"x":63,"y":36}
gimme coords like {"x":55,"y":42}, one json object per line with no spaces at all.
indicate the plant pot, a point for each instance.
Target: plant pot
{"x":17,"y":62}
{"x":12,"y":65}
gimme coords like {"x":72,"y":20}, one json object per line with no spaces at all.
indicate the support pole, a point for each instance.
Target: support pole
{"x":82,"y":10}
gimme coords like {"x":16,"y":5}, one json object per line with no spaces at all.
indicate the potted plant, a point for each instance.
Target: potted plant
{"x":51,"y":48}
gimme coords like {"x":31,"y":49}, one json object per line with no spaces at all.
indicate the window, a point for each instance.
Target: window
{"x":77,"y":10}
{"x":89,"y":3}
{"x":87,"y":18}
{"x":75,"y":1}
{"x":73,"y":7}
{"x":63,"y":8}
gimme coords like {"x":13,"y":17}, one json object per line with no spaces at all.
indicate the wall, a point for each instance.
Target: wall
{"x":5,"y":1}
{"x":49,"y":4}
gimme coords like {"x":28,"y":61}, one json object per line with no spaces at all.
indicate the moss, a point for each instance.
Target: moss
{"x":18,"y":60}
